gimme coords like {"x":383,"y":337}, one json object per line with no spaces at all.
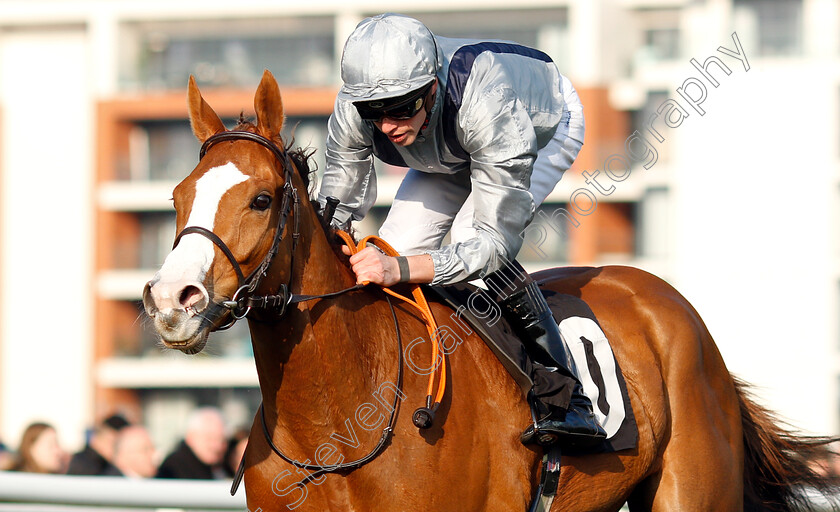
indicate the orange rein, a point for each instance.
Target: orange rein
{"x":420,"y":304}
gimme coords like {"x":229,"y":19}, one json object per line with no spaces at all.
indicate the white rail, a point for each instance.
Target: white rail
{"x":25,"y":492}
{"x":23,"y":488}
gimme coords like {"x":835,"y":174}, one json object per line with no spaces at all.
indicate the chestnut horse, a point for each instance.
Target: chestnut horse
{"x":335,"y":430}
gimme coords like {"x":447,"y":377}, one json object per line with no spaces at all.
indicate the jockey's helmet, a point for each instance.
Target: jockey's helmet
{"x":387,"y":59}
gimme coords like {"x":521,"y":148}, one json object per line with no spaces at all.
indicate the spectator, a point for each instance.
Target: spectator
{"x":96,"y":457}
{"x":235,"y":450}
{"x":134,"y":454}
{"x":39,"y":451}
{"x":200,"y":455}
{"x":7,"y":458}
{"x":832,"y":461}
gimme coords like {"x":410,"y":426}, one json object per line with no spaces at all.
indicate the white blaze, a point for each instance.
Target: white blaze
{"x":194,"y":254}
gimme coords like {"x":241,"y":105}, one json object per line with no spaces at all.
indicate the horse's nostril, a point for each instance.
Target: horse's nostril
{"x":191,"y":297}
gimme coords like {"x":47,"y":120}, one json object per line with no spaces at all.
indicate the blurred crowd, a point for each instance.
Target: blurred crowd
{"x":826,"y":462}
{"x":116,"y":447}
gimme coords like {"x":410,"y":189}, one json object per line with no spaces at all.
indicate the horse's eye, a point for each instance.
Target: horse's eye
{"x":261,"y":202}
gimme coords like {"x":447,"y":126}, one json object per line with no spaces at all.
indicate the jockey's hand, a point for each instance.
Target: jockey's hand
{"x":370,"y":265}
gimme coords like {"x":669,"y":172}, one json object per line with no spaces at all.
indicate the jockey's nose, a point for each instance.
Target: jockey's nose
{"x":188,"y":296}
{"x":387,"y":125}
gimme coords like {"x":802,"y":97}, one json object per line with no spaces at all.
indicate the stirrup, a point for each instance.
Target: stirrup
{"x":549,"y":430}
{"x":544,"y":439}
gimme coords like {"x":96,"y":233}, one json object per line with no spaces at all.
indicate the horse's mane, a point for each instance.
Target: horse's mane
{"x":307,"y":170}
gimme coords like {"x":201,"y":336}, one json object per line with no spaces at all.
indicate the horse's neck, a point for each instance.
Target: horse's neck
{"x":309,"y":360}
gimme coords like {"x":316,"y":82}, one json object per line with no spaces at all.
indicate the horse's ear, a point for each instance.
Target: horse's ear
{"x":203,"y":119}
{"x":269,"y":107}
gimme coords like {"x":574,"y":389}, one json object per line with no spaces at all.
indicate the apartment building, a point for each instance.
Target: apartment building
{"x":711,"y":159}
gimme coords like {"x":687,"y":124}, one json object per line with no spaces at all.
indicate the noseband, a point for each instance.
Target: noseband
{"x":243,"y":300}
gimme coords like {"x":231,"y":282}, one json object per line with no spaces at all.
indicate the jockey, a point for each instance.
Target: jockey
{"x":487,"y":129}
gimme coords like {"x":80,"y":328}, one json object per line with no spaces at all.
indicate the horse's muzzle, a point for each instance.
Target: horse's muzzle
{"x":176,"y":311}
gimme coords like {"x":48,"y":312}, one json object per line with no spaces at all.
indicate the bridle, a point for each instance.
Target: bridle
{"x":244,"y":300}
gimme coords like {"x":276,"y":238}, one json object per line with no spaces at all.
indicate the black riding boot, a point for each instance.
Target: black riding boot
{"x":530,"y":317}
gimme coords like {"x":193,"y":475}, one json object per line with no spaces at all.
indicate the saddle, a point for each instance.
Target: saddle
{"x":599,"y":372}
{"x":597,"y":368}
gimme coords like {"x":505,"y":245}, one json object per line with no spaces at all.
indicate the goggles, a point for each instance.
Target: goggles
{"x":399,"y":108}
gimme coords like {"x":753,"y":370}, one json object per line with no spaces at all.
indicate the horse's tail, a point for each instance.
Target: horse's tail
{"x":781,"y":468}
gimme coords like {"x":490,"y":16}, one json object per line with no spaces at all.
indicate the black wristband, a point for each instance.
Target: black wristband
{"x":405,"y":273}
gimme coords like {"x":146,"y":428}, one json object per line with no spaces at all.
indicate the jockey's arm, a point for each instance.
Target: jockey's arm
{"x":349,"y":174}
{"x":371,"y":265}
{"x":497,"y":132}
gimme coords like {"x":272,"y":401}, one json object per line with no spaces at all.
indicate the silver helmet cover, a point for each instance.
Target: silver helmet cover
{"x":386,"y":56}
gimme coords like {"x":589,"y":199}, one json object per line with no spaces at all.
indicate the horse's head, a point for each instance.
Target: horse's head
{"x":228,"y":211}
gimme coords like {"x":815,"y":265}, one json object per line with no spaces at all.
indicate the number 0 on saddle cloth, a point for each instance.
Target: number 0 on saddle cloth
{"x":599,"y":372}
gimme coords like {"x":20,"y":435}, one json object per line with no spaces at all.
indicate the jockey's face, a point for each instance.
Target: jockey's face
{"x":403,"y":132}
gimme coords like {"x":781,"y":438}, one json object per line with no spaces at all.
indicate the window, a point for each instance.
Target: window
{"x":649,"y":121}
{"x":662,"y":43}
{"x":171,"y":147}
{"x":778,"y":24}
{"x":167,"y":150}
{"x":653,"y":229}
{"x":157,"y":233}
{"x":522,"y":26}
{"x":228,"y":53}
{"x":658,"y":38}
{"x":546,"y":240}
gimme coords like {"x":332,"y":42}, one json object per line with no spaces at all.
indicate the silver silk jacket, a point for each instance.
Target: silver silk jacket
{"x":497,"y":104}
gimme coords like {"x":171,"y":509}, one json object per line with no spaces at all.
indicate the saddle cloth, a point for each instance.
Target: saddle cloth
{"x":597,"y":367}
